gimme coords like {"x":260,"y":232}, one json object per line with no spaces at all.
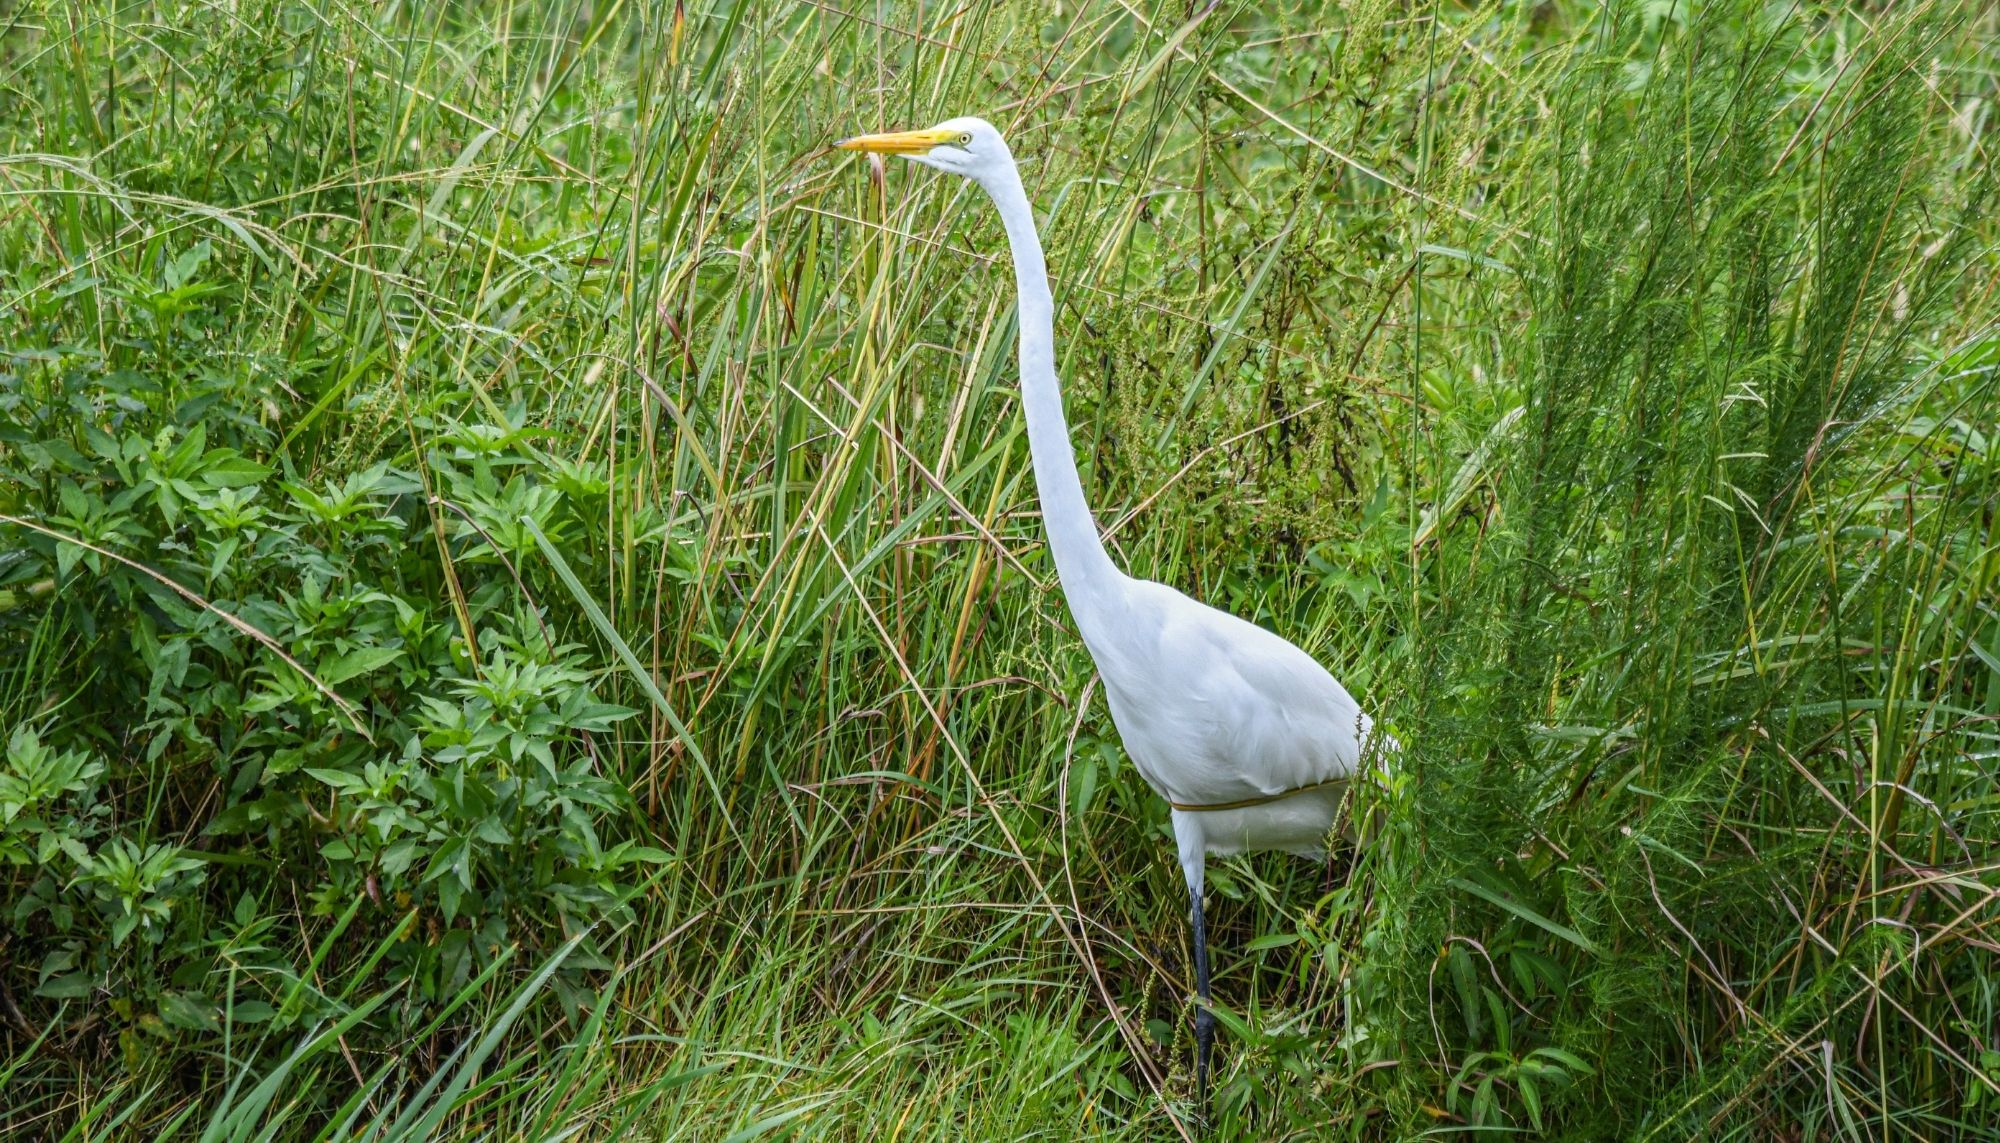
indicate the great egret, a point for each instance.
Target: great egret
{"x":1246,"y":737}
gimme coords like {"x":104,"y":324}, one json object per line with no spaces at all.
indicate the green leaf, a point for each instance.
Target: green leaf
{"x":1527,"y":914}
{"x":74,"y":502}
{"x":634,"y":854}
{"x":1271,"y":941}
{"x":1532,"y":1098}
{"x":189,"y":1010}
{"x":1085,"y":784}
{"x":340,"y":780}
{"x":358,"y":662}
{"x":232,"y":471}
{"x":251,"y":1012}
{"x":68,"y":986}
{"x":396,"y":860}
{"x":449,"y":893}
{"x":1568,"y":1060}
{"x":1235,"y":1025}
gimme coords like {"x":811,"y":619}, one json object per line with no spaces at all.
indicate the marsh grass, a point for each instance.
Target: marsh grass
{"x":1606,"y":395}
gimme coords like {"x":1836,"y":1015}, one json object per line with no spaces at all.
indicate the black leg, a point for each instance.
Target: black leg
{"x":1204,"y":1020}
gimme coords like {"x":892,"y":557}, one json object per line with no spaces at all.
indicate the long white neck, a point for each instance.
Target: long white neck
{"x":1086,"y":571}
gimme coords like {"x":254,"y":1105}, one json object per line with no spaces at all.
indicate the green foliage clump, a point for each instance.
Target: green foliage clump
{"x":173,"y":779}
{"x":1675,"y":707}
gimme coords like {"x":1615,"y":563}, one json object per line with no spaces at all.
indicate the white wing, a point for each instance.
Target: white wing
{"x":1215,"y":709}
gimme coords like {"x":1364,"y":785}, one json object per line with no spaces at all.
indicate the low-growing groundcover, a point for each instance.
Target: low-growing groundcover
{"x":522,"y":614}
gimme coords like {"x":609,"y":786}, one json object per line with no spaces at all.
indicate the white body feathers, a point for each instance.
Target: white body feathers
{"x":1212,"y":709}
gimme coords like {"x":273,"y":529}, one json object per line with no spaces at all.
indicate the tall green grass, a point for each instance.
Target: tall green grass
{"x":1604,"y":394}
{"x":1716,"y":653}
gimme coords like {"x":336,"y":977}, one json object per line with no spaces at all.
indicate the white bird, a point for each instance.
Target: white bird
{"x":1247,"y":737}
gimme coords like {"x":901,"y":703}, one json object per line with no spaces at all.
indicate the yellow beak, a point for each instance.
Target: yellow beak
{"x":899,"y":142}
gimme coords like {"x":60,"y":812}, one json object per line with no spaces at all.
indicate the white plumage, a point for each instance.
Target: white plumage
{"x":1246,"y":735}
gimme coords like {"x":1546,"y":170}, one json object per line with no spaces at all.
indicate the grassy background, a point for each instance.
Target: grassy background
{"x":682,"y":731}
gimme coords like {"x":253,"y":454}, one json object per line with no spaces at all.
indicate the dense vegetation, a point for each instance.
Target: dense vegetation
{"x":522,"y":609}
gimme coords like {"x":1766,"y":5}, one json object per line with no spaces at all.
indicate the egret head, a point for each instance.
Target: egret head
{"x":967,"y":146}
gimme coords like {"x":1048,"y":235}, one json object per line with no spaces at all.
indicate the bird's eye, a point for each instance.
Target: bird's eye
{"x":965,"y":138}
